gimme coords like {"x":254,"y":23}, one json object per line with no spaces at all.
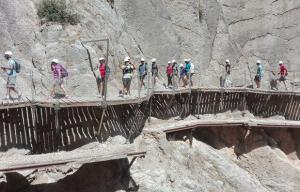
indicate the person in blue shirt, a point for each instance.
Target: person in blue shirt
{"x":10,"y":70}
{"x":143,"y":72}
{"x":182,"y":75}
{"x":259,"y":74}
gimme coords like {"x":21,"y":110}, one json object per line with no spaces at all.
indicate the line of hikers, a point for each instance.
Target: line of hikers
{"x":283,"y":73}
{"x":184,"y":73}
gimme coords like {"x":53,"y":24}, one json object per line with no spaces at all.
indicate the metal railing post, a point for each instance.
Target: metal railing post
{"x":190,"y":82}
{"x":139,"y":84}
{"x":106,"y":71}
{"x":294,"y":80}
{"x":173,"y":83}
{"x":148,"y":85}
{"x":32,"y":86}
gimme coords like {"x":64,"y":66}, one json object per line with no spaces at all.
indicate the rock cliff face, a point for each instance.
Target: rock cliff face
{"x":206,"y":31}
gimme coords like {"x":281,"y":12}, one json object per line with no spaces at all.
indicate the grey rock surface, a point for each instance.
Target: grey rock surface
{"x":206,"y":31}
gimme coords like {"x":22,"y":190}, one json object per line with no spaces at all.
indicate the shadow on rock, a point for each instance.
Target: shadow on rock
{"x":106,"y":176}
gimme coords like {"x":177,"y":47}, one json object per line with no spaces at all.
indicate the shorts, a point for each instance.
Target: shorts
{"x":257,"y":78}
{"x":11,"y":82}
{"x":58,"y":82}
{"x":142,"y":77}
{"x":154,"y":74}
{"x":100,"y":79}
{"x":282,"y":78}
{"x":126,"y":81}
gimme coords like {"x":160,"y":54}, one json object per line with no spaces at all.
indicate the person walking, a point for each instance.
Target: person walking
{"x":182,"y":75}
{"x":175,"y":73}
{"x":283,"y":72}
{"x":154,"y":71}
{"x":11,"y":69}
{"x":259,"y":74}
{"x":227,"y":82}
{"x":192,"y":71}
{"x":59,"y":73}
{"x":169,"y":72}
{"x":101,"y":79}
{"x":143,"y":71}
{"x":127,"y":69}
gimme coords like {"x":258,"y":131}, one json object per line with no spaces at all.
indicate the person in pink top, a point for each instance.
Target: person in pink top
{"x":170,"y":74}
{"x":58,"y":74}
{"x":101,"y":79}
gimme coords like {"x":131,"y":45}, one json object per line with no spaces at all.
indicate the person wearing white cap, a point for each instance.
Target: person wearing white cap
{"x":169,"y":72}
{"x":227,"y":67}
{"x":259,"y":74}
{"x":11,"y":70}
{"x":127,"y":70}
{"x":283,"y":72}
{"x":175,"y":72}
{"x":227,"y":82}
{"x":192,"y":71}
{"x":182,"y":75}
{"x":59,"y":73}
{"x":154,"y":70}
{"x":143,"y":72}
{"x":101,"y":77}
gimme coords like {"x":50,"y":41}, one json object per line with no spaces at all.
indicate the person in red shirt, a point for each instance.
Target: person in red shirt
{"x":170,"y":74}
{"x":282,"y":71}
{"x":102,"y":76}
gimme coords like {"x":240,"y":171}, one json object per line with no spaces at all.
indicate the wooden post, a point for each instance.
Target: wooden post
{"x":150,"y":110}
{"x":35,"y":142}
{"x":106,"y":70}
{"x":139,"y":85}
{"x":148,"y":84}
{"x":57,"y":125}
{"x":101,"y":121}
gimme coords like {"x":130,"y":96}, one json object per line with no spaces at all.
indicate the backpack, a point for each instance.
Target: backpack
{"x":64,"y":72}
{"x":17,"y":67}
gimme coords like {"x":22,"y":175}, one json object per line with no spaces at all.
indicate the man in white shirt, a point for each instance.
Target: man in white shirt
{"x":10,"y":70}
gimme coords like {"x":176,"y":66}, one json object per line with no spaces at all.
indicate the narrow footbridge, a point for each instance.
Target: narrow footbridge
{"x":45,"y":126}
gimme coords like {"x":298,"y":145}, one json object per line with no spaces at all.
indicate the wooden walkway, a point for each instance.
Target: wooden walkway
{"x":235,"y":123}
{"x":29,"y":162}
{"x":95,"y":101}
{"x":64,"y":124}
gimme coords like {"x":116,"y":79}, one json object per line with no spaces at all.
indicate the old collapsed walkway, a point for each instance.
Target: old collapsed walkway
{"x":64,"y":124}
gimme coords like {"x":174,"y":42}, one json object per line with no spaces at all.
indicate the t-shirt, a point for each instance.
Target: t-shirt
{"x":192,"y":69}
{"x":188,"y":67}
{"x":56,"y":69}
{"x":182,"y":71}
{"x":127,"y":71}
{"x":227,"y":67}
{"x":154,"y":68}
{"x":11,"y":64}
{"x":283,"y":70}
{"x":143,"y":69}
{"x":102,"y":70}
{"x":170,"y":70}
{"x":259,"y":71}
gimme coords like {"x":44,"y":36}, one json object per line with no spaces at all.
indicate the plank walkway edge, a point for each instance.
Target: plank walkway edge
{"x":79,"y":102}
{"x":10,"y":167}
{"x":236,"y":123}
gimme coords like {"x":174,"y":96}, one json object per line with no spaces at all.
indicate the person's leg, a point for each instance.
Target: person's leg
{"x":129,"y":84}
{"x":52,"y":90}
{"x":103,"y":87}
{"x":191,"y":80}
{"x":64,"y":90}
{"x":124,"y":85}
